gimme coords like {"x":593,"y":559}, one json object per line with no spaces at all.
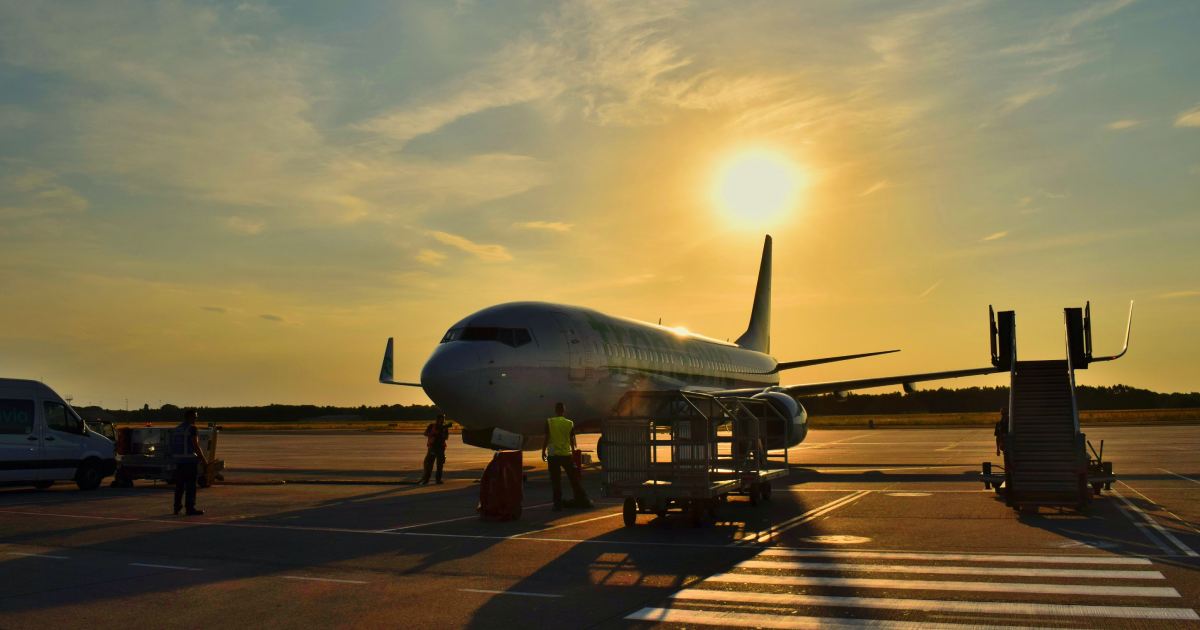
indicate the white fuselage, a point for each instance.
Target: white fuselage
{"x":506,"y":366}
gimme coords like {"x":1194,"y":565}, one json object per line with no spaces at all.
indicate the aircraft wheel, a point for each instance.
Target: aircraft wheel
{"x":629,"y":512}
{"x":765,"y":490}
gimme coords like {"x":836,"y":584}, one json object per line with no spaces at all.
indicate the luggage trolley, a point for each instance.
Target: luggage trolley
{"x":687,"y":452}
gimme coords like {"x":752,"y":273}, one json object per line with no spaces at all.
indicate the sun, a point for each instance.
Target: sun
{"x":758,"y":187}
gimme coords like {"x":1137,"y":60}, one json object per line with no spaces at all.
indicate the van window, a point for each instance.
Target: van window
{"x":59,"y":419}
{"x":16,"y":416}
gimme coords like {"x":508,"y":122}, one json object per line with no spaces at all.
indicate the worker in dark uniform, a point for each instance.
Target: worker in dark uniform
{"x":185,"y":450}
{"x":1001,"y":431}
{"x":560,"y":447}
{"x":436,"y":435}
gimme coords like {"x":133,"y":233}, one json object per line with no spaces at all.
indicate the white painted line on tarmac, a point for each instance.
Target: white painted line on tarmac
{"x":1081,"y":611}
{"x":731,"y":619}
{"x":37,"y":555}
{"x":163,"y":566}
{"x":886,"y":469}
{"x":803,"y":490}
{"x":1180,"y":476}
{"x":954,"y":557}
{"x":950,"y":570}
{"x":449,"y":520}
{"x":1081,"y":559}
{"x":1169,"y":512}
{"x":949,"y":585}
{"x":317,"y":579}
{"x":586,"y":520}
{"x":806,"y":517}
{"x":1149,"y":520}
{"x":521,"y":593}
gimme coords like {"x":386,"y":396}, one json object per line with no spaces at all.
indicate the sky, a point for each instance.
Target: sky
{"x":238,"y":203}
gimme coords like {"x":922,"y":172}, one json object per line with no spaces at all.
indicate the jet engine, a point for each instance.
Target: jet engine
{"x":795,"y":430}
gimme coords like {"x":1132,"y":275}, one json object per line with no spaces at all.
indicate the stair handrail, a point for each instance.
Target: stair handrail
{"x":1071,"y":377}
{"x":1125,"y":348}
{"x":1012,"y":380}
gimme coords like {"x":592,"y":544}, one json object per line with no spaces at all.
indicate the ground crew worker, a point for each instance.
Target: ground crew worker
{"x":186,"y":451}
{"x":560,"y":444}
{"x":436,"y":435}
{"x":1001,"y":431}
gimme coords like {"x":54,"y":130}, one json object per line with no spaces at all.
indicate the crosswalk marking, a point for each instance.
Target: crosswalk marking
{"x":754,"y":592}
{"x":933,"y":605}
{"x":954,"y":570}
{"x":757,"y":620}
{"x":949,"y":585}
{"x":954,"y":557}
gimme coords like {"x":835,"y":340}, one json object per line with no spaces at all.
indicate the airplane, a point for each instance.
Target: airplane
{"x":499,"y":371}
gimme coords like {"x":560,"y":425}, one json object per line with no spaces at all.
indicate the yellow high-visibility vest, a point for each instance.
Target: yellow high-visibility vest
{"x":560,"y":436}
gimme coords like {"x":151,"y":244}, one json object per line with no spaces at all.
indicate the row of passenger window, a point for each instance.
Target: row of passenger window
{"x":16,"y":417}
{"x":670,"y":358}
{"x":508,"y":336}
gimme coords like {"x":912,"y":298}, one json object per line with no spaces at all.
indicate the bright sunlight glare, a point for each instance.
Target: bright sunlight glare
{"x":757,"y":187}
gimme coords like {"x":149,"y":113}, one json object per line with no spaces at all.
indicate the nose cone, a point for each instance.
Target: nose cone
{"x":451,"y":378}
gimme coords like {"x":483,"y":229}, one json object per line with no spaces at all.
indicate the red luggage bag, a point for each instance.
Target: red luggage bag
{"x":500,"y":490}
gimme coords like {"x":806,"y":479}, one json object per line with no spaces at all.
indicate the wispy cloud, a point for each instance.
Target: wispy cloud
{"x":995,"y":236}
{"x":484,"y":252}
{"x":549,"y":226}
{"x":271,"y":318}
{"x":213,"y":309}
{"x":1123,"y":124}
{"x":1171,"y":295}
{"x":1190,"y":118}
{"x":242,"y":225}
{"x":430,"y":257}
{"x":32,"y":192}
{"x":933,"y":287}
{"x":876,"y":187}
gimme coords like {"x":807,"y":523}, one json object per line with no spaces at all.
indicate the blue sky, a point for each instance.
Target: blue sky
{"x":238,"y":202}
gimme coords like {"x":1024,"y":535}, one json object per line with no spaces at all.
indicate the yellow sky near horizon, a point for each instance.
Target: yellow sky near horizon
{"x":238,"y":204}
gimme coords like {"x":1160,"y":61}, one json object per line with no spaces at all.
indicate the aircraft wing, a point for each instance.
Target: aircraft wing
{"x":808,"y":389}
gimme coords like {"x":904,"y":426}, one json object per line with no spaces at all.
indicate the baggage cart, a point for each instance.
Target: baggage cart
{"x":687,"y":452}
{"x":143,"y":453}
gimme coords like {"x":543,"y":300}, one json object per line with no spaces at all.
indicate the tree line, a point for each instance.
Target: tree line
{"x":922,"y":401}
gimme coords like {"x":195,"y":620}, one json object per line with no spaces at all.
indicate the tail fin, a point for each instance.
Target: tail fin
{"x":758,"y":333}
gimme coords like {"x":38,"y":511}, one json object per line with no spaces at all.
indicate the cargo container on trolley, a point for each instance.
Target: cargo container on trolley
{"x":679,"y":451}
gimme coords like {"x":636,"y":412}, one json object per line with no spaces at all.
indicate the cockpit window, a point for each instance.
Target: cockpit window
{"x":508,"y":336}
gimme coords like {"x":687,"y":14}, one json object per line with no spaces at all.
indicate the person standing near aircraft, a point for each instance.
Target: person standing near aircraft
{"x":186,"y":451}
{"x":560,"y":445}
{"x":436,"y":435}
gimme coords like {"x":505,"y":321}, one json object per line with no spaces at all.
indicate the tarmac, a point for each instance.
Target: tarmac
{"x":872,"y":528}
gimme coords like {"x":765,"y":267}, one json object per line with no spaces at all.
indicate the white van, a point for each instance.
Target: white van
{"x":43,"y":440}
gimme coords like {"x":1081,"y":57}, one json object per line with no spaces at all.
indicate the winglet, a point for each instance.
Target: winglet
{"x":385,"y":370}
{"x":758,"y":333}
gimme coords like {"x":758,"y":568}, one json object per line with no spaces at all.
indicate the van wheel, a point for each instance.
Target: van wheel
{"x":42,"y":485}
{"x":88,"y":477}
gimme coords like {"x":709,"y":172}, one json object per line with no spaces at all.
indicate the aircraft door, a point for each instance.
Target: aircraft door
{"x":578,"y":350}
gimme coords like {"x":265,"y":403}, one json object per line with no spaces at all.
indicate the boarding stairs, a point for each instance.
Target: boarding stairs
{"x":1045,"y":454}
{"x":1046,"y":460}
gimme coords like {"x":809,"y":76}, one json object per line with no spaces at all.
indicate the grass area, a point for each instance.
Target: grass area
{"x":1086,"y":418}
